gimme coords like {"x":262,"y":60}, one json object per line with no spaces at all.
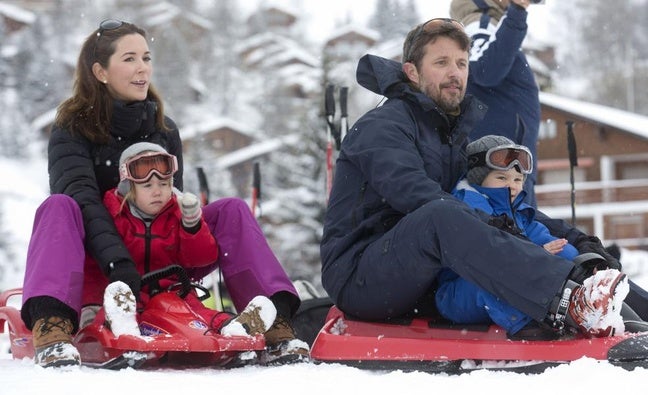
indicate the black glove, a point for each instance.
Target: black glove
{"x":125,"y":272}
{"x":585,"y":265}
{"x":505,"y":223}
{"x":585,"y":244}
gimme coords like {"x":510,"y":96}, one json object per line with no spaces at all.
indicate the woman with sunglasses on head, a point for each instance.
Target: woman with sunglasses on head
{"x":159,"y":229}
{"x":494,"y":183}
{"x":114,"y":105}
{"x":392,"y":224}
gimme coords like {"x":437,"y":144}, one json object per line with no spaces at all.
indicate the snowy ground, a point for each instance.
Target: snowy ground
{"x":584,"y":376}
{"x":22,"y":377}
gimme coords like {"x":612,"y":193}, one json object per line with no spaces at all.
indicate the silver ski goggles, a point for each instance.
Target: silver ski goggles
{"x":504,"y":157}
{"x":140,"y":168}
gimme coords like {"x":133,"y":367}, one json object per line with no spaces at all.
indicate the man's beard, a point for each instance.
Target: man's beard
{"x":448,"y":103}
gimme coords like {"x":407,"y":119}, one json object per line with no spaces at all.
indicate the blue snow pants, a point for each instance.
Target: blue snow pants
{"x":463,"y":302}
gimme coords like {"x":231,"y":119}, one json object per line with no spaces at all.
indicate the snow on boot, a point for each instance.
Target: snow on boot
{"x":595,"y":306}
{"x":120,"y":307}
{"x":53,"y":346}
{"x":254,"y":320}
{"x":282,"y":346}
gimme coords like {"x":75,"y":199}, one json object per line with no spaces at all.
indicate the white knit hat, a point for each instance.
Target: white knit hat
{"x":124,"y":184}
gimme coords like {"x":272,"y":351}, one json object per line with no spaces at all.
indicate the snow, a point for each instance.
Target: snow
{"x":24,"y":378}
{"x":605,"y":115}
{"x":25,"y":185}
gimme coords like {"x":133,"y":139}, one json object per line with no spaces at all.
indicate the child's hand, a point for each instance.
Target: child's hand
{"x":190,"y":208}
{"x":555,"y":246}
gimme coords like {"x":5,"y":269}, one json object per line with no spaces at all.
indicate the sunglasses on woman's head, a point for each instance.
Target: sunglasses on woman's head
{"x":107,"y":24}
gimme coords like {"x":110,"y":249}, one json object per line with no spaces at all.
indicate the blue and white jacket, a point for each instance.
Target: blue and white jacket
{"x":500,"y":77}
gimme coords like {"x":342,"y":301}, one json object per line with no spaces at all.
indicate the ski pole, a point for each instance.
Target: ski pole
{"x":573,"y":162}
{"x":256,"y":189}
{"x":329,"y":106}
{"x":202,"y":185}
{"x":344,"y":120}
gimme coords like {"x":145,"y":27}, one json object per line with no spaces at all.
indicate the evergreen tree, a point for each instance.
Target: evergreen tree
{"x":606,"y":51}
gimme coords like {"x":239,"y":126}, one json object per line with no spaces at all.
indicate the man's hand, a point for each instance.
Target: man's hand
{"x":585,"y":244}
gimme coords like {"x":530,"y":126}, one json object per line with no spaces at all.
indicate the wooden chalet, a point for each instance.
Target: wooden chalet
{"x":610,"y":189}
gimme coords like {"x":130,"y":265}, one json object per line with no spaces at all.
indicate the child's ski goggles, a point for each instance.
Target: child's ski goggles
{"x":504,"y":157}
{"x":140,"y":168}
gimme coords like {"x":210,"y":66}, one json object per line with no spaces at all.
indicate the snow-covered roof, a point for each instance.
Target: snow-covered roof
{"x":537,"y":65}
{"x":197,"y":129}
{"x":264,"y":10}
{"x":17,"y":13}
{"x":290,"y":55}
{"x":624,"y":120}
{"x":254,"y":150}
{"x":353,"y":29}
{"x":43,"y":120}
{"x":269,"y":49}
{"x":163,"y":12}
{"x":390,"y":49}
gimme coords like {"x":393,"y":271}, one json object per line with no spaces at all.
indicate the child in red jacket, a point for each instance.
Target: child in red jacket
{"x":160,"y":226}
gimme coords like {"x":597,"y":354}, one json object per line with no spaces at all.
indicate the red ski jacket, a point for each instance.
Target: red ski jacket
{"x":165,"y":242}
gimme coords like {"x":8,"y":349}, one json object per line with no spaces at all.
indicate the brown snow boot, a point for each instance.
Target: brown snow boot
{"x":282,"y":346}
{"x":52,"y":338}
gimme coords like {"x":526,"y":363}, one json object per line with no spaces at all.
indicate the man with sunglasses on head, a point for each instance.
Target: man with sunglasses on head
{"x":392,"y":223}
{"x":500,"y":75}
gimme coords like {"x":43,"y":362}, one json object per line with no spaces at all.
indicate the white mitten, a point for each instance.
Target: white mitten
{"x":190,"y":208}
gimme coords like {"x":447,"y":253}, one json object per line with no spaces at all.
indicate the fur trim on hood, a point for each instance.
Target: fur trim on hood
{"x":467,"y":12}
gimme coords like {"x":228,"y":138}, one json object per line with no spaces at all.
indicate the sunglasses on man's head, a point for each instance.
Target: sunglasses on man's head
{"x":428,"y":27}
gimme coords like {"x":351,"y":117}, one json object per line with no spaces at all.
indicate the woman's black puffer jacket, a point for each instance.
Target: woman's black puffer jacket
{"x":85,"y":171}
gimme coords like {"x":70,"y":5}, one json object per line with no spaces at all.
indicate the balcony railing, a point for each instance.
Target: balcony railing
{"x":600,"y":202}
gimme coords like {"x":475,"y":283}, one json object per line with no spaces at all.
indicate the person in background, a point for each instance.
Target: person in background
{"x":392,"y":224}
{"x":500,"y":75}
{"x":160,"y":229}
{"x":114,"y":105}
{"x":494,"y":184}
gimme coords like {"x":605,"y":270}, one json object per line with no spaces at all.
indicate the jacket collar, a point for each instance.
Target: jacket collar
{"x":135,"y":119}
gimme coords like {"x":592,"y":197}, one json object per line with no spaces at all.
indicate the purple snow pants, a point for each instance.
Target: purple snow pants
{"x":56,"y":254}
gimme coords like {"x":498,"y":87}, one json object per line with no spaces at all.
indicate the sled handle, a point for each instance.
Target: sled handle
{"x":152,"y":279}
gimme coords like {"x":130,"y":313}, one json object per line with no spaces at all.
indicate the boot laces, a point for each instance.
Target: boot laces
{"x":51,"y":323}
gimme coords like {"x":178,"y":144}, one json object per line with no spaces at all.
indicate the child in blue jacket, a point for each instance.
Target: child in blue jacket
{"x":497,"y":170}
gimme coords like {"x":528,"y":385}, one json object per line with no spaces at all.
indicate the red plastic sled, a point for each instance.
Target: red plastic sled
{"x":423,"y":345}
{"x":173,"y":335}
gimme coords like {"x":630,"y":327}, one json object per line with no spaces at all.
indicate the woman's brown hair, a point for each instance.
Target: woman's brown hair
{"x":89,"y":111}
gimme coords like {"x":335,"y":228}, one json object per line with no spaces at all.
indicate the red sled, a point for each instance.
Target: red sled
{"x":428,"y":345}
{"x":172,"y":334}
